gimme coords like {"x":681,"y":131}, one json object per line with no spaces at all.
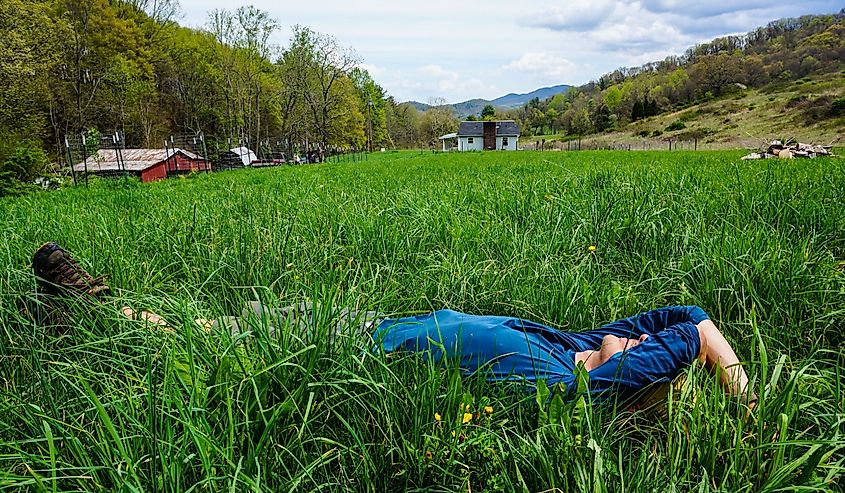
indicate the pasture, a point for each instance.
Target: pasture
{"x":113,"y":405}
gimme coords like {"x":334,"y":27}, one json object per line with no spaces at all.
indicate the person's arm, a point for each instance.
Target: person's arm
{"x":719,"y":357}
{"x":714,"y":351}
{"x":610,"y":345}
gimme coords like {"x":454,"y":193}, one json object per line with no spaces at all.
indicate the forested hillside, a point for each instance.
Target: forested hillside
{"x":778,"y":54}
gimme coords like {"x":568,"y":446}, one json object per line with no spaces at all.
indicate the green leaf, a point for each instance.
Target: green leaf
{"x":556,"y":410}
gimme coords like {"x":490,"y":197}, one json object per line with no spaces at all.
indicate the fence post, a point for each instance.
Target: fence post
{"x":70,"y":161}
{"x":205,"y":154}
{"x":85,"y":158}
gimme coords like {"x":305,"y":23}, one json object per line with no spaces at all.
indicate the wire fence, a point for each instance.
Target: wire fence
{"x":95,"y":154}
{"x":632,"y":145}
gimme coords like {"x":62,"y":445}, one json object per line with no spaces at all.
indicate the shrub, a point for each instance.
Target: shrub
{"x":796,"y":101}
{"x":689,"y":115}
{"x":837,"y":106}
{"x":656,"y":133}
{"x":676,"y":125}
{"x":19,"y":171}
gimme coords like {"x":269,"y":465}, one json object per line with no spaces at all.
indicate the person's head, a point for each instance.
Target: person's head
{"x":610,"y":346}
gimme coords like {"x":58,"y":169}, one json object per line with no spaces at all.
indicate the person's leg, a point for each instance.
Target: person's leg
{"x":60,"y":283}
{"x":57,"y":272}
{"x":304,"y":318}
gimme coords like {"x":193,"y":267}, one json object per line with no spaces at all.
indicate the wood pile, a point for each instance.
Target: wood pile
{"x":790,"y":150}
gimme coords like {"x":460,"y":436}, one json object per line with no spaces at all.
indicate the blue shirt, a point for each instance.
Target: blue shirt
{"x":507,"y":348}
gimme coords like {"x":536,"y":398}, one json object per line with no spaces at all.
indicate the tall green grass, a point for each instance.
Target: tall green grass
{"x":111,"y":404}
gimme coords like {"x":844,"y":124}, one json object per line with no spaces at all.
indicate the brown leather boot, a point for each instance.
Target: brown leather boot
{"x":57,"y":272}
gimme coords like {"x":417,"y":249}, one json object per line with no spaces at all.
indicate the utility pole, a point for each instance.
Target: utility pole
{"x":369,"y":124}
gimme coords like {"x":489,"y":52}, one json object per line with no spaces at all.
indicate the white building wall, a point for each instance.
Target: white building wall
{"x":465,"y":145}
{"x":478,"y":144}
{"x":512,"y":143}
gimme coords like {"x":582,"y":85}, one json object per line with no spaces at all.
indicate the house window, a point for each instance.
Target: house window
{"x":469,"y":140}
{"x":504,"y":141}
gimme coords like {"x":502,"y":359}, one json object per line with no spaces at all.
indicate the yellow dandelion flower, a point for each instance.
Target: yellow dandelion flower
{"x":488,"y":410}
{"x":591,"y":248}
{"x":437,"y":417}
{"x":466,"y":418}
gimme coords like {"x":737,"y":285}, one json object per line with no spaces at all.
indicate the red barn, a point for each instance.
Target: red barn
{"x":147,"y":164}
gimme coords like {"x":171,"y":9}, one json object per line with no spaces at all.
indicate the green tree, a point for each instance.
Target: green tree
{"x":612,"y":97}
{"x":243,"y":37}
{"x":373,"y":104}
{"x":488,"y":113}
{"x":714,"y":72}
{"x":98,"y":35}
{"x":316,"y":63}
{"x":552,"y":119}
{"x":437,"y":121}
{"x":403,"y":124}
{"x":30,"y":37}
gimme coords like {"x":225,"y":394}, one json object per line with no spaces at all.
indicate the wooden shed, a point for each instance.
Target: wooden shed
{"x":147,"y":164}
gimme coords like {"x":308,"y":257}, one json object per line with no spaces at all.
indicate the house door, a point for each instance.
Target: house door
{"x":489,"y":136}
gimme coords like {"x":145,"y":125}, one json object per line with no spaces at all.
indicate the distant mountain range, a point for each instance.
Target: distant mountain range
{"x":512,"y":100}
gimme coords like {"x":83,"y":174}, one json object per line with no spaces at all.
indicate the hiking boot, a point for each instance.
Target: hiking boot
{"x":57,"y":271}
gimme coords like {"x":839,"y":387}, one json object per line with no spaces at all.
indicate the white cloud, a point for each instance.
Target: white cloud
{"x":480,"y":48}
{"x":375,"y":71}
{"x":576,"y":15}
{"x":698,"y":9}
{"x":543,"y":63}
{"x":634,"y":30}
{"x":434,"y":70}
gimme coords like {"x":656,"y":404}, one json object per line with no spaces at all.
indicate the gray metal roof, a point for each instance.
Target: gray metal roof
{"x":133,"y":159}
{"x":504,"y":128}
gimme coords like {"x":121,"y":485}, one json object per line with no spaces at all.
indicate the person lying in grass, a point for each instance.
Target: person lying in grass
{"x":622,"y":358}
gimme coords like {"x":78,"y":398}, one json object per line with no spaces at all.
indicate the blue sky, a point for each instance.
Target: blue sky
{"x":463,"y":49}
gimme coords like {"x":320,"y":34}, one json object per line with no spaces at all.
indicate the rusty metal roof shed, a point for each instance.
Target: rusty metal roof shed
{"x":129,"y":159}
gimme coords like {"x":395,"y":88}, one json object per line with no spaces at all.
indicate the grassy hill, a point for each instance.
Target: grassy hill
{"x":783,"y":79}
{"x":745,"y":118}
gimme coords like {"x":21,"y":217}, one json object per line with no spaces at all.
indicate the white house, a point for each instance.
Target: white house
{"x":488,"y":136}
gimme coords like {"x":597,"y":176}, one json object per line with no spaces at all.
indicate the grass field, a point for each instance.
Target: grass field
{"x":111,"y":405}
